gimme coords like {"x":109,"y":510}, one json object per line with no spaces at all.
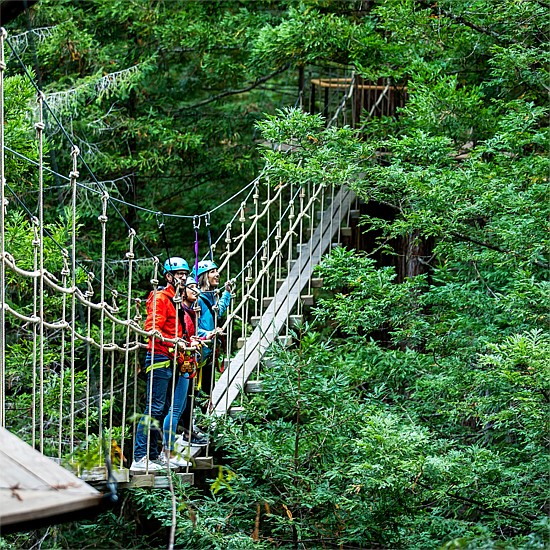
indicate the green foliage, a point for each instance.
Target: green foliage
{"x":369,"y":298}
{"x":356,"y":445}
{"x":325,"y":156}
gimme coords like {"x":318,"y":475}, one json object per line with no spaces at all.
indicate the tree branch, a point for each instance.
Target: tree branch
{"x":463,"y":237}
{"x":481,"y":505}
{"x":460,"y":19}
{"x":255,"y":84}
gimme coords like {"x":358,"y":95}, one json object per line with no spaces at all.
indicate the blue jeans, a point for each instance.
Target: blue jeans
{"x":158,"y":397}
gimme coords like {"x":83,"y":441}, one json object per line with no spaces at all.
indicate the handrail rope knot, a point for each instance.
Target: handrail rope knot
{"x":65,"y":271}
{"x":114,"y":307}
{"x":138,"y":317}
{"x":35,"y":224}
{"x":90,"y":292}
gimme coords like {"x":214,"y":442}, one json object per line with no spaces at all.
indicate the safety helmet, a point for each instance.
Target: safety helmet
{"x":175,"y":264}
{"x":203,"y":267}
{"x":190,"y":280}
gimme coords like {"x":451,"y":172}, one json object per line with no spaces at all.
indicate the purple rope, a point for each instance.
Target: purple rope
{"x":196,"y":224}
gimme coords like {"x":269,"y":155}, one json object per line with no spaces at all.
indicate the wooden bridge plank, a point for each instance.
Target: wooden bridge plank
{"x":242,"y":365}
{"x":33,"y":487}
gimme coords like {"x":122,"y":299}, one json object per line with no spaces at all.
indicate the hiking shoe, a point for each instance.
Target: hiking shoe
{"x":198,"y":432}
{"x":197,"y":439}
{"x":144,"y":465}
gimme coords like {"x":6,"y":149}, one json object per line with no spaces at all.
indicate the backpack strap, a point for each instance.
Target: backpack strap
{"x":209,"y":307}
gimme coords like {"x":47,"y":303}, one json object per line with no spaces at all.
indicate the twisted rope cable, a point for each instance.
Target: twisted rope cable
{"x":40,"y":136}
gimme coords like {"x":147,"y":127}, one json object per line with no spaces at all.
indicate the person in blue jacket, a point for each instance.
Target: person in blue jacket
{"x":213,"y":306}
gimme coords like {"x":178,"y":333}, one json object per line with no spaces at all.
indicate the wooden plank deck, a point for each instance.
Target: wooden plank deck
{"x":274,"y":318}
{"x":33,"y":487}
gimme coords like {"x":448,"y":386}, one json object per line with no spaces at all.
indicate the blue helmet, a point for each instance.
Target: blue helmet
{"x":190,"y":280}
{"x":175,"y":264}
{"x":203,"y":267}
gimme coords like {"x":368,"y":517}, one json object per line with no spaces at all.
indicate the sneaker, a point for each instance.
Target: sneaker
{"x":197,"y":439}
{"x":175,"y":461}
{"x":144,"y":465}
{"x":199,"y":433}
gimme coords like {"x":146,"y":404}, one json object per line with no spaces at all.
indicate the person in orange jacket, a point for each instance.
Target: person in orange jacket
{"x":163,"y":317}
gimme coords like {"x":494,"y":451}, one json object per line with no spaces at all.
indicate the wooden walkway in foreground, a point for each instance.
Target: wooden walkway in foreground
{"x":237,"y":373}
{"x":33,"y":487}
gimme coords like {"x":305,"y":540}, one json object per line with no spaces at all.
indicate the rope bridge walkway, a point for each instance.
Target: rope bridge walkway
{"x":83,"y":340}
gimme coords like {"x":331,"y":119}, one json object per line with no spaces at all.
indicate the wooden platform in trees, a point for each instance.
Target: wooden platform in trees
{"x":276,"y":315}
{"x":34,"y":488}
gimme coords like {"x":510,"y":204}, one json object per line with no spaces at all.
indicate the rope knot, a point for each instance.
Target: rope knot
{"x":103,"y":218}
{"x":75,"y":151}
{"x":73,"y":174}
{"x":39,"y":126}
{"x":115,"y":307}
{"x":177,"y":296}
{"x":137,"y":316}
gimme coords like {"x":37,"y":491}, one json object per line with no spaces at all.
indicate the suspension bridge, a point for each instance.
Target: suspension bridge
{"x":85,"y":340}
